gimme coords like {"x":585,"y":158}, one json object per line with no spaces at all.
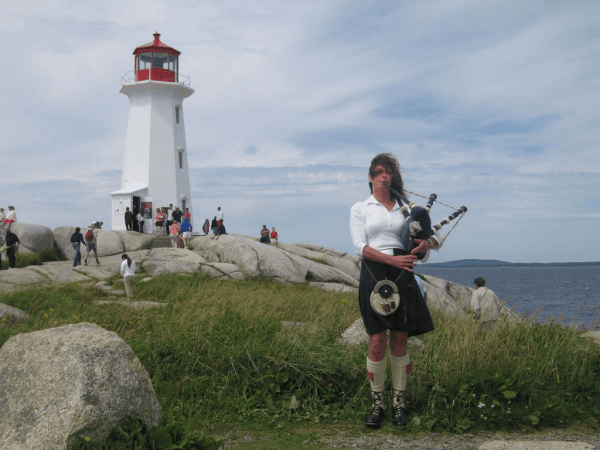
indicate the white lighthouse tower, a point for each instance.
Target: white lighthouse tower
{"x":155,"y":167}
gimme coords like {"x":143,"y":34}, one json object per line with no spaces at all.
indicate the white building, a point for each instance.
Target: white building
{"x":155,"y":167}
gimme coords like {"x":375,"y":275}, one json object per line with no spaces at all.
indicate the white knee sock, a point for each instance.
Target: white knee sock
{"x":377,"y":376}
{"x":399,"y":377}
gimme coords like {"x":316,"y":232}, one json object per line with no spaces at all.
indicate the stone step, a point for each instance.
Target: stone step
{"x":161,"y":242}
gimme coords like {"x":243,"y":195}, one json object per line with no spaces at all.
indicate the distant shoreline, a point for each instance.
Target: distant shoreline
{"x":497,"y":263}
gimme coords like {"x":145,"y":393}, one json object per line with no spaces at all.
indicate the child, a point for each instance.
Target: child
{"x":274,"y":237}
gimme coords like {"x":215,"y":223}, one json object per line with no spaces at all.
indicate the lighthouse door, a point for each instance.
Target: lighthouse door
{"x":136,"y":205}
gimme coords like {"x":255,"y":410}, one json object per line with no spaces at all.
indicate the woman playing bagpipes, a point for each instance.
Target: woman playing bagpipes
{"x":389,"y":296}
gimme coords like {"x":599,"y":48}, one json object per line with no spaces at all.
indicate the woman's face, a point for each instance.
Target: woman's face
{"x":383,"y":177}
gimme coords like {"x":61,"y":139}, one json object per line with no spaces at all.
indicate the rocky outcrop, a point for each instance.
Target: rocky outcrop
{"x":34,"y":238}
{"x":69,"y":381}
{"x":255,"y":260}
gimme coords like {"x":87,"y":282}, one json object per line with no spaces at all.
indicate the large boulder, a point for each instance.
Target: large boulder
{"x":69,"y":381}
{"x":109,"y":242}
{"x":10,"y":315}
{"x":260,"y":260}
{"x":161,"y":261}
{"x":328,"y":256}
{"x":34,"y":238}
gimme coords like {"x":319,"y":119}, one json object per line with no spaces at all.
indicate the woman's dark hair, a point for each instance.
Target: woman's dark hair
{"x":479,"y":282}
{"x":125,"y":256}
{"x":390,"y":162}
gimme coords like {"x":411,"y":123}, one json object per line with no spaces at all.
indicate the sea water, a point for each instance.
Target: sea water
{"x":568,"y":294}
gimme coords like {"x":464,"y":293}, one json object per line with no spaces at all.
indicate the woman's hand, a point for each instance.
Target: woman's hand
{"x":423,"y":245}
{"x":406,"y":262}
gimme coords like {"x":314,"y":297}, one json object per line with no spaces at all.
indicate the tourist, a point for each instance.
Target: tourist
{"x":128,"y":219}
{"x":177,"y":215}
{"x":12,"y":247}
{"x":91,"y":245}
{"x":174,"y":233}
{"x":187,"y":215}
{"x":375,"y":225}
{"x":274,"y":237}
{"x":140,"y":220}
{"x":220,"y":230}
{"x":264,"y":235}
{"x":128,"y":272}
{"x":170,"y":216}
{"x":186,"y":232}
{"x":206,"y":227}
{"x":485,"y":305}
{"x":219,"y":216}
{"x":11,"y":218}
{"x":158,"y":224}
{"x":76,"y":241}
{"x":214,"y":225}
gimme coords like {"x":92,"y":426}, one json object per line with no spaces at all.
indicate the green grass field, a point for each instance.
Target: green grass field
{"x":220,"y":360}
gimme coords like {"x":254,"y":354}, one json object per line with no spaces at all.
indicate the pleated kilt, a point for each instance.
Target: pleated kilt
{"x":412,"y":316}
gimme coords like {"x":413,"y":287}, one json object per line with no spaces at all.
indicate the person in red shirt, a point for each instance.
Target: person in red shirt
{"x":274,"y":236}
{"x":187,"y":215}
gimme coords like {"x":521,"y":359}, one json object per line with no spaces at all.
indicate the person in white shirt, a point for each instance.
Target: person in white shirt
{"x":485,"y":305}
{"x":128,"y":271}
{"x":219,"y":216}
{"x":375,"y":225}
{"x":11,"y":218}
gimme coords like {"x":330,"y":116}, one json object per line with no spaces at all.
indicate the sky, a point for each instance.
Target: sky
{"x":491,"y":105}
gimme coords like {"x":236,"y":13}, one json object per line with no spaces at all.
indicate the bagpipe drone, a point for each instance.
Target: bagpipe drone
{"x":417,"y":223}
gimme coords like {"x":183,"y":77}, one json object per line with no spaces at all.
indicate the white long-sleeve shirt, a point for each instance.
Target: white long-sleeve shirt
{"x":373,"y":225}
{"x":485,"y":305}
{"x":127,"y":270}
{"x":220,"y":215}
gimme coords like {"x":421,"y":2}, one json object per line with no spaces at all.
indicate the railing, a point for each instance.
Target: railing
{"x":129,"y":78}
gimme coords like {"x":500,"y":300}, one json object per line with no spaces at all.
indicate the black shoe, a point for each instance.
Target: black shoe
{"x":400,"y":412}
{"x":85,"y":263}
{"x":97,"y":262}
{"x":400,"y":416}
{"x":373,"y":420}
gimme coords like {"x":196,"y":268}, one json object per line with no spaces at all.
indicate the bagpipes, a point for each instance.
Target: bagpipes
{"x":417,"y":223}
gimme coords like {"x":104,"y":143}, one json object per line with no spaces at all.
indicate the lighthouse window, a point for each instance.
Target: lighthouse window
{"x":173,"y":63}
{"x":161,"y":61}
{"x":181,"y":160}
{"x":177,"y":114}
{"x":145,"y":60}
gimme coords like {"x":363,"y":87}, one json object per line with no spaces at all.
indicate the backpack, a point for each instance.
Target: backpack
{"x":89,"y":236}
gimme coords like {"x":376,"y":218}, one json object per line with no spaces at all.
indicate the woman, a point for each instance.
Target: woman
{"x":206,"y":227}
{"x":186,"y":233}
{"x":128,"y":272}
{"x":274,"y":237}
{"x":375,"y":226}
{"x":174,"y":233}
{"x":158,"y":225}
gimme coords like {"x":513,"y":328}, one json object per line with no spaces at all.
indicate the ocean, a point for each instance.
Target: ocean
{"x":568,"y":294}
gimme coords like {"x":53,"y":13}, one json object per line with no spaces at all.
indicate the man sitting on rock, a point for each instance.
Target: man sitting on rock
{"x":264,"y":235}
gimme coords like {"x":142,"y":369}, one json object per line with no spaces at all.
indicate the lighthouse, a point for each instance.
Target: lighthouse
{"x":155,"y":167}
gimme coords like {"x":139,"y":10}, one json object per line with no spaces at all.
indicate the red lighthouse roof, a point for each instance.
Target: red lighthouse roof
{"x":156,"y":46}
{"x":156,"y":61}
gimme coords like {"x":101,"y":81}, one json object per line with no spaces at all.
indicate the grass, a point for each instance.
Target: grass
{"x":32,"y":259}
{"x":218,"y":355}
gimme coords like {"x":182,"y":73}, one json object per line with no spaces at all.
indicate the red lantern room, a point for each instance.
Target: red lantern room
{"x":156,"y":61}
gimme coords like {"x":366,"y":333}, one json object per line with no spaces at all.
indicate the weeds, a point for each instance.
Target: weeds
{"x":218,"y":354}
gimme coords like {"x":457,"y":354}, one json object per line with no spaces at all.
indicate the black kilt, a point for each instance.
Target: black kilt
{"x":412,"y":316}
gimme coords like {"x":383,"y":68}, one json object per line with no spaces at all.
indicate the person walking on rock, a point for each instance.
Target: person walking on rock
{"x":389,"y":297}
{"x":12,"y":247}
{"x":128,"y":219}
{"x":485,"y":305}
{"x":76,"y":241}
{"x":174,"y":233}
{"x":91,"y":245}
{"x":186,"y":232}
{"x":128,"y":271}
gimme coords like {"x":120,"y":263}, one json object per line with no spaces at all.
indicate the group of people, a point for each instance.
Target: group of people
{"x":9,"y":241}
{"x":216,"y":226}
{"x":165,"y":219}
{"x":90,"y":241}
{"x":268,"y":237}
{"x":6,"y":220}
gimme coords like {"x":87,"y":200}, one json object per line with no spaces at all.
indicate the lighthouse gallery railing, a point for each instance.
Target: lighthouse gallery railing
{"x":129,"y":78}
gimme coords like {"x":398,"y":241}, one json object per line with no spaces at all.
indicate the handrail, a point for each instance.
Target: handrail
{"x":129,"y":78}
